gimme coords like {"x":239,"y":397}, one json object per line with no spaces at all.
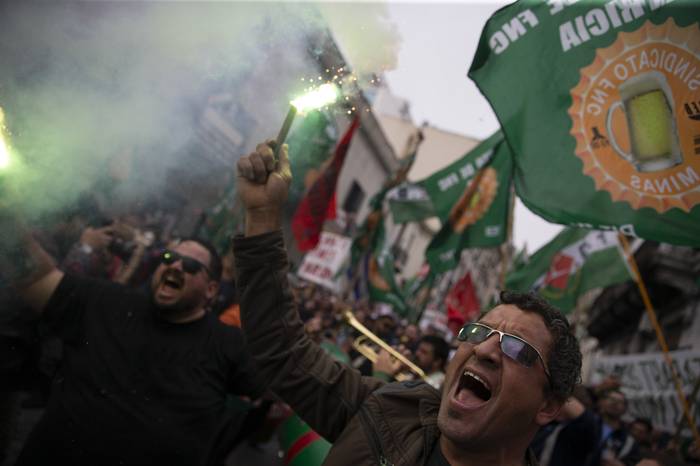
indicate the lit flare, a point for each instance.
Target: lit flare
{"x":4,"y":145}
{"x":323,"y":95}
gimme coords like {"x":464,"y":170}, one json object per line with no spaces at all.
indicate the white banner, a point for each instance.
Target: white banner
{"x":322,"y":264}
{"x":647,"y":382}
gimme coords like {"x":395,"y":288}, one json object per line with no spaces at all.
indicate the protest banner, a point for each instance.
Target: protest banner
{"x":648,"y":384}
{"x":322,"y":264}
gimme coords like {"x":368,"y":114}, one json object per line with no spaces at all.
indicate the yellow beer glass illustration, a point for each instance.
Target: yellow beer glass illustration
{"x":647,"y":102}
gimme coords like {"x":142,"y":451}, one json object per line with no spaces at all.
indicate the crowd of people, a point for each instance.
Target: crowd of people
{"x":142,"y":347}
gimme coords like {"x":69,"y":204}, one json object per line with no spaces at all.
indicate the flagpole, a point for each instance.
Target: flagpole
{"x":509,"y":236}
{"x":659,"y":336}
{"x":693,"y":396}
{"x":411,"y":146}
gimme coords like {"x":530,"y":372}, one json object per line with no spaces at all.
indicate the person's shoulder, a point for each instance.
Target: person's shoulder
{"x":406,"y":405}
{"x":412,"y":389}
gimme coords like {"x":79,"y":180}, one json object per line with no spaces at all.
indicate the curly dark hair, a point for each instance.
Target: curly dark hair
{"x":565,"y":354}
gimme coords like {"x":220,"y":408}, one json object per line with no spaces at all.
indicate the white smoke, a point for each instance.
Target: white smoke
{"x":92,"y":88}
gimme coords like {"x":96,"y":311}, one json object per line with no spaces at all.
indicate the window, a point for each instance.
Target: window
{"x":354,"y":199}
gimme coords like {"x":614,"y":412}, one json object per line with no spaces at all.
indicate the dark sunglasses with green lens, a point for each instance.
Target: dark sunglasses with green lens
{"x":512,"y":346}
{"x":189,"y":264}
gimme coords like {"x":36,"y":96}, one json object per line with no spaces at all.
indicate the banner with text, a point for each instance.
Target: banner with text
{"x":600,"y":104}
{"x":647,"y":383}
{"x":323,"y":264}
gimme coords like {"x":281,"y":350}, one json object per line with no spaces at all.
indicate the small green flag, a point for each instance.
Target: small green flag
{"x":600,"y":103}
{"x":574,"y":262}
{"x":381,"y":276}
{"x":365,"y":238}
{"x":417,"y":291}
{"x":479,"y":221}
{"x":410,"y":203}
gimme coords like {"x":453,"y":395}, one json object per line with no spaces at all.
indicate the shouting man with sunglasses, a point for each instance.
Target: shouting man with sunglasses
{"x":145,"y":376}
{"x":513,"y":369}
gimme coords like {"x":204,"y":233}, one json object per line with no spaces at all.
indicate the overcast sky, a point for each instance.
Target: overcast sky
{"x":439,"y":41}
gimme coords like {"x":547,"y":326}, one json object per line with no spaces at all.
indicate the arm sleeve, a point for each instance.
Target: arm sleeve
{"x":324,"y":392}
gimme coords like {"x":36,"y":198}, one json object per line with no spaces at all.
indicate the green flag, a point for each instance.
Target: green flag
{"x":416,"y":292}
{"x":574,"y":262}
{"x":365,"y":238}
{"x":410,"y":203}
{"x":381,"y":276}
{"x":600,"y":102}
{"x":476,"y":221}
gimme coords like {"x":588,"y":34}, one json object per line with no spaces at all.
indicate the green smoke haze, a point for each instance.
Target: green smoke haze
{"x":111,"y":89}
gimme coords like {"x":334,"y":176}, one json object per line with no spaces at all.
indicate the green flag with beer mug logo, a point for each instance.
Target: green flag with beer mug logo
{"x":470,"y":220}
{"x":600,"y":103}
{"x":575,"y":261}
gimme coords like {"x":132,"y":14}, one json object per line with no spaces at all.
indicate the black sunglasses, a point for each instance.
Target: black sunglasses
{"x":189,"y":264}
{"x":512,"y":346}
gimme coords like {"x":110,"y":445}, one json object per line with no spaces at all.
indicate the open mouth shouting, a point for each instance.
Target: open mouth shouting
{"x":173,"y":279}
{"x":472,"y":390}
{"x":171,"y":283}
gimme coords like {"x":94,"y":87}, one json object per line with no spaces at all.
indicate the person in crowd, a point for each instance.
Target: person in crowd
{"x":112,"y":252}
{"x":659,"y":458}
{"x":642,"y":430}
{"x":431,"y":356}
{"x":512,"y":372}
{"x":90,"y":255}
{"x":568,"y":440}
{"x":616,"y":445}
{"x":385,"y":323}
{"x":144,"y":376}
{"x":411,"y":336}
{"x":582,"y":437}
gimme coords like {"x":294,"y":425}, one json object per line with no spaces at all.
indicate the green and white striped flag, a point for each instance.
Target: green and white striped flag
{"x":574,"y":262}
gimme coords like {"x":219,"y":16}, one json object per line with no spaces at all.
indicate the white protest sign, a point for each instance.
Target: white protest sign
{"x":322,"y":264}
{"x":433,"y":318}
{"x":648,"y":385}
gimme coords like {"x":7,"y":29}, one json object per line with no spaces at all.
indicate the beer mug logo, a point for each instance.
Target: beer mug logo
{"x":648,"y":105}
{"x":630,"y":121}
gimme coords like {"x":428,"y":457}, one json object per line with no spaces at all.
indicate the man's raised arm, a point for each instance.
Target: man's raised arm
{"x":324,"y":392}
{"x":25,"y":264}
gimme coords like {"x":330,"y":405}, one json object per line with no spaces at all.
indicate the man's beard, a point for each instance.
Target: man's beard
{"x":181,"y":306}
{"x":178,"y":307}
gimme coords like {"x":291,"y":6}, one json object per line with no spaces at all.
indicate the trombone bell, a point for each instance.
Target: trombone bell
{"x":362,"y":346}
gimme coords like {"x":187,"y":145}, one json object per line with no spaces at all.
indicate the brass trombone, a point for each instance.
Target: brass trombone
{"x":362,"y":346}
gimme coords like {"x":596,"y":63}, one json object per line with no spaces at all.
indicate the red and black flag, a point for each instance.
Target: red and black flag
{"x":319,"y":202}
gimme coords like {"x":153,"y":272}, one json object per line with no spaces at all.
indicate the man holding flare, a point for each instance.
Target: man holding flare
{"x":512,"y":372}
